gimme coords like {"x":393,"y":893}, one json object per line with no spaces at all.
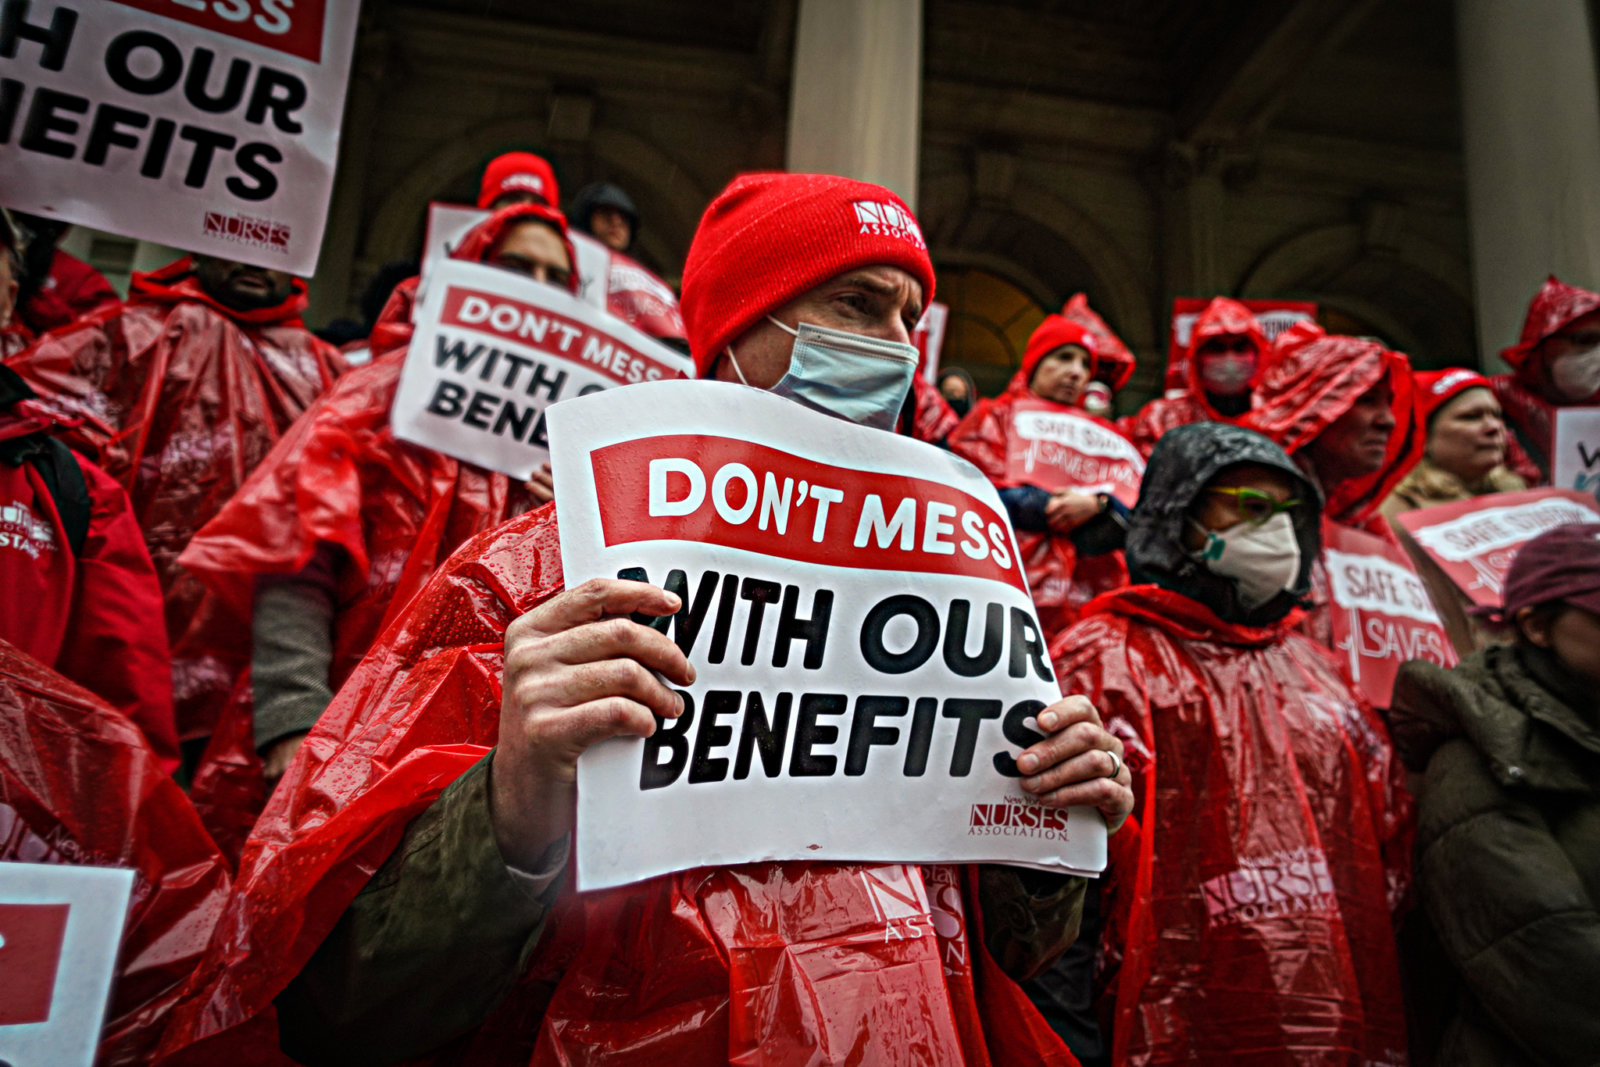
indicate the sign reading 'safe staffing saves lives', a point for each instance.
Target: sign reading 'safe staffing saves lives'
{"x":493,"y":350}
{"x":869,"y":661}
{"x":211,"y":125}
{"x":60,"y":928}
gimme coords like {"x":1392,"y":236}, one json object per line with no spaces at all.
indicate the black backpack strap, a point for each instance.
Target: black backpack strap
{"x":64,"y":478}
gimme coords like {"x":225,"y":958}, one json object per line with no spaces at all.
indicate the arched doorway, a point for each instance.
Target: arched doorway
{"x":991,"y":320}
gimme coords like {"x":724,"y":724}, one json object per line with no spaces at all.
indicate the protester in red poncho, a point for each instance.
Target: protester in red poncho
{"x":79,"y":785}
{"x":336,"y":530}
{"x":1068,"y":539}
{"x":1248,"y":914}
{"x":778,"y":963}
{"x":1226,"y":356}
{"x":180,"y":393}
{"x":58,"y":288}
{"x":77,"y":590}
{"x":1556,"y":364}
{"x":1347,"y":410}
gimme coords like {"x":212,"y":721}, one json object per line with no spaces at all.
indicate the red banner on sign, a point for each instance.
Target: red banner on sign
{"x":688,"y":487}
{"x":31,"y":936}
{"x":1473,"y":541}
{"x":1382,"y":616}
{"x":291,"y":26}
{"x":548,"y":331}
{"x":1052,"y":449}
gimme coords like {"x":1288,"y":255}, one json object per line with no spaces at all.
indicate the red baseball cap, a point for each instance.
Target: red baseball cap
{"x":1437,"y":388}
{"x":519,"y":172}
{"x":1563,"y":563}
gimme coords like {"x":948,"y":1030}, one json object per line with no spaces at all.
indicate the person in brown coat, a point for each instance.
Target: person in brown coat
{"x":1508,"y":835}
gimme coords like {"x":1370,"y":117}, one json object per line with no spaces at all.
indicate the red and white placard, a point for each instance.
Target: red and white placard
{"x":211,"y":125}
{"x":494,"y":349}
{"x":1474,"y":541}
{"x":60,"y":928}
{"x":1382,"y":615}
{"x":1053,"y":448}
{"x":869,"y":661}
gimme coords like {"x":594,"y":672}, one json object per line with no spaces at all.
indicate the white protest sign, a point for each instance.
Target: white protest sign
{"x":1575,"y":463}
{"x":60,"y":928}
{"x":449,"y":223}
{"x":869,"y":661}
{"x":211,"y":125}
{"x":493,"y":349}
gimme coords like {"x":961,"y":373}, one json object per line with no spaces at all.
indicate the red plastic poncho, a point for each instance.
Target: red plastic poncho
{"x":1314,"y":378}
{"x":1059,"y":581}
{"x":78,"y":785}
{"x":72,"y":290}
{"x":1221,"y":318}
{"x":1249,"y":920}
{"x":1525,"y":394}
{"x":340,"y":477}
{"x":180,"y":397}
{"x":707,"y":966}
{"x":1114,"y":362}
{"x":95,"y":614}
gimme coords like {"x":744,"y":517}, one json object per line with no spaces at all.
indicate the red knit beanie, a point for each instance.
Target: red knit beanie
{"x":1052,"y":333}
{"x":1437,"y":388}
{"x":519,"y":172}
{"x":772,"y":237}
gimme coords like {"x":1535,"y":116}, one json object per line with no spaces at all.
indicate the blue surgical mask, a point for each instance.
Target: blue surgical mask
{"x":861,"y":379}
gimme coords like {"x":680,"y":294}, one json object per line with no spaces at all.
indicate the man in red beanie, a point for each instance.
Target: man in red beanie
{"x":1054,"y":529}
{"x":1556,"y":364}
{"x":1227,"y":353}
{"x":518,"y":178}
{"x":402,"y":897}
{"x":179,"y":393}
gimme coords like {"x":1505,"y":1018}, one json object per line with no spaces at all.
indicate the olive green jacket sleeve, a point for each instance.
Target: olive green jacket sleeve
{"x":431,"y":945}
{"x":444,"y":929}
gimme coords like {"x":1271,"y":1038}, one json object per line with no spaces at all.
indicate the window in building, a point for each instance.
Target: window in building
{"x":990,"y":323}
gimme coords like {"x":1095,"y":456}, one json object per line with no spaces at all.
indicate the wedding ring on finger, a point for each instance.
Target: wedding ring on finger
{"x":1116,"y":763}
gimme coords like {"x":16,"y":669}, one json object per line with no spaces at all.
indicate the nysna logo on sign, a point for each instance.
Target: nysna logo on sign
{"x":887,"y":220}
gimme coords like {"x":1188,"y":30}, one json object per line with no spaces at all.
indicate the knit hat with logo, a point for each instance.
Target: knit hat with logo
{"x":1051,"y":334}
{"x":1437,"y":388}
{"x":771,"y":237}
{"x":519,"y":172}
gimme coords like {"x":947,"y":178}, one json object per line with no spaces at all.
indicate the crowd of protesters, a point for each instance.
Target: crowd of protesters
{"x":325,"y":690}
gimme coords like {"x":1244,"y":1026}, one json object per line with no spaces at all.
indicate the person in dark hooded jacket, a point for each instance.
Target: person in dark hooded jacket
{"x":1248,"y":915}
{"x":1508,"y":835}
{"x":634,"y":293}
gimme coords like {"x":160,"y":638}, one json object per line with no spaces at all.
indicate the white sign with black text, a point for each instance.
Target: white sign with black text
{"x":211,"y":125}
{"x":60,"y":928}
{"x":493,"y":350}
{"x":1576,"y":460}
{"x":869,"y":663}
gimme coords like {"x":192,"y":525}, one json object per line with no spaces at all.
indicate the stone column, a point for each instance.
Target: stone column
{"x":1530,"y":109}
{"x":855,"y":106}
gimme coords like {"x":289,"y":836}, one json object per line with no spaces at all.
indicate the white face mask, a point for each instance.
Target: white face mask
{"x":1262,"y":560}
{"x":860,"y":379}
{"x":1577,"y":374}
{"x":1227,"y":373}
